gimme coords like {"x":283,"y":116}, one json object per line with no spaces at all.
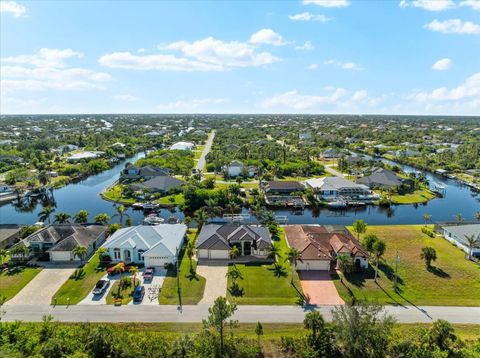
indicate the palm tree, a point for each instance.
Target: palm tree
{"x":272,"y":251}
{"x":232,"y":207}
{"x":472,"y":242}
{"x":379,"y":248}
{"x":459,"y":218}
{"x":102,"y":219}
{"x":426,"y":218}
{"x":190,"y":251}
{"x":43,"y":178}
{"x":293,"y":255}
{"x":20,"y":250}
{"x":120,"y":213}
{"x":234,"y":274}
{"x":80,"y":252}
{"x":200,"y":217}
{"x":314,"y":321}
{"x":62,"y":218}
{"x":81,"y":217}
{"x":234,"y":252}
{"x":344,"y":263}
{"x":134,"y":271}
{"x":4,"y":256}
{"x":428,"y":254}
{"x":211,"y":208}
{"x":359,"y":227}
{"x":46,"y":213}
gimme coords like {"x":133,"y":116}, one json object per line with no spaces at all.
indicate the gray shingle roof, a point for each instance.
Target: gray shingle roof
{"x":461,"y":230}
{"x":215,"y":236}
{"x":159,"y":183}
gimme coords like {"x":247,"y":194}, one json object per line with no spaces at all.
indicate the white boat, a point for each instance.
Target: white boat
{"x":137,"y":206}
{"x":337,"y":204}
{"x":153,"y":220}
{"x":150,"y":206}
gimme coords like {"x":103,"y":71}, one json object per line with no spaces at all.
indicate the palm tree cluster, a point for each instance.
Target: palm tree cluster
{"x":376,"y":248}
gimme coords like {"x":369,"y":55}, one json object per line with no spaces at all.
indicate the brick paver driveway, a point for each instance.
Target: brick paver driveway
{"x":319,"y":288}
{"x":41,"y":289}
{"x":216,"y":284}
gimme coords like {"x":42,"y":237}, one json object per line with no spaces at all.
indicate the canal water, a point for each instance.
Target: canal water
{"x":459,"y":199}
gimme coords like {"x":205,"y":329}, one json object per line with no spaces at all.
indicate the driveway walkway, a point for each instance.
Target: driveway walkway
{"x":319,"y":288}
{"x":201,"y":161}
{"x":329,"y":169}
{"x":216,"y":284}
{"x":41,"y":289}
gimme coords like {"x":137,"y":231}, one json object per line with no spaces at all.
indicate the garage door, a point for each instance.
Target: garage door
{"x":313,"y":265}
{"x":156,"y":261}
{"x":60,"y":256}
{"x":218,"y":254}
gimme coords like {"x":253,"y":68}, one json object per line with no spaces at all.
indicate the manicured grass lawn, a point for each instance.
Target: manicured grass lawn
{"x":115,"y":194}
{"x":125,"y":294}
{"x":77,"y":288}
{"x":198,"y":152}
{"x":453,"y":281}
{"x":11,"y":284}
{"x":178,"y":199}
{"x":262,"y":285}
{"x":417,"y":197}
{"x":191,"y":286}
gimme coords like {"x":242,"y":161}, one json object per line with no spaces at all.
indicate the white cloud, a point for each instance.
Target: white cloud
{"x":125,"y":97}
{"x":468,"y":90}
{"x":454,"y":26}
{"x":307,"y":46}
{"x":359,"y":95}
{"x":429,"y":5}
{"x":11,"y":7}
{"x":47,"y":70}
{"x":443,"y":64}
{"x":327,"y":3}
{"x":294,"y":100}
{"x":307,"y":16}
{"x":208,"y":54}
{"x":474,"y":4}
{"x":345,"y":65}
{"x":267,"y":36}
{"x":313,"y":66}
{"x":184,"y":106}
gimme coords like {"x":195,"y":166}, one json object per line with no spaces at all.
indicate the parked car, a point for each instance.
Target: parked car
{"x":148,"y":274}
{"x":101,"y":287}
{"x":138,"y":294}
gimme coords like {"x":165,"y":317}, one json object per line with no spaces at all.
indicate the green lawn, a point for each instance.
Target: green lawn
{"x":114,"y":193}
{"x":198,"y":152}
{"x":417,"y":197}
{"x":77,"y":288}
{"x":12,"y":283}
{"x":191,"y":286}
{"x":453,"y":281}
{"x":262,"y":285}
{"x":178,"y":199}
{"x":125,"y":294}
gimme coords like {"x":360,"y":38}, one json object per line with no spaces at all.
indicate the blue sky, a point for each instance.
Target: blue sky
{"x":326,"y":56}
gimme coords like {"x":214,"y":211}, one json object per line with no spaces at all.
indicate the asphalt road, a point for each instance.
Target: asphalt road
{"x":247,"y":314}
{"x":208,"y":145}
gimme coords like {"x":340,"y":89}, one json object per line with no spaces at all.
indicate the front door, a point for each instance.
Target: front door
{"x":247,"y":248}
{"x":127,"y":255}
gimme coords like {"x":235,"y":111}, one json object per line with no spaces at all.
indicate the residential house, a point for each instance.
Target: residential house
{"x":215,"y":241}
{"x":457,"y":235}
{"x":153,"y":246}
{"x":282,"y":187}
{"x":158,"y":184}
{"x":59,"y":240}
{"x":9,"y":235}
{"x":237,"y":168}
{"x":333,"y":188}
{"x":331,"y":153}
{"x":182,"y":146}
{"x":381,"y":178}
{"x":319,"y":246}
{"x":145,"y":173}
{"x":406,"y":153}
{"x":305,"y":136}
{"x":86,"y":155}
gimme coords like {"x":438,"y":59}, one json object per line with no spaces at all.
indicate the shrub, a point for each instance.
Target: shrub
{"x":428,"y":232}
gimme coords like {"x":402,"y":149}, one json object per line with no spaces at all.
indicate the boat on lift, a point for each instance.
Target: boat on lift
{"x":153,"y":219}
{"x":150,"y":206}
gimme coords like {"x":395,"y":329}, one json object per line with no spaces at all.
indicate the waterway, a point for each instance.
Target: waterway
{"x":459,"y":199}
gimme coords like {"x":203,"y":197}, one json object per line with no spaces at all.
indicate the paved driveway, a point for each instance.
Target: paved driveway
{"x":319,"y":288}
{"x":216,"y":284}
{"x":152,"y":289}
{"x":41,"y":289}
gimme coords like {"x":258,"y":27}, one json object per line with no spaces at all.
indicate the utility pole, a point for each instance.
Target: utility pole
{"x":397,"y":260}
{"x":178,"y":281}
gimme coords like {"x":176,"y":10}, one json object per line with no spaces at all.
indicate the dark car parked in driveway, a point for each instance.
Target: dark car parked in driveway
{"x":101,"y":287}
{"x":138,"y":294}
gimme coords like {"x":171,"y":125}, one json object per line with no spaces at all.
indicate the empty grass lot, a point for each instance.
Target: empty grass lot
{"x":191,"y":285}
{"x":77,"y":287}
{"x":417,"y":197}
{"x":11,"y":283}
{"x":262,"y":285}
{"x":453,"y":281}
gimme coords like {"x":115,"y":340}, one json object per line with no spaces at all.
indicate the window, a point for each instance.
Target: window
{"x":116,"y":254}
{"x":140,"y":255}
